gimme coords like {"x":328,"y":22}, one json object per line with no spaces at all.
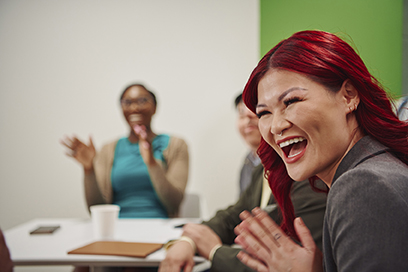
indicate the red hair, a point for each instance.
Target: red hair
{"x":326,"y":59}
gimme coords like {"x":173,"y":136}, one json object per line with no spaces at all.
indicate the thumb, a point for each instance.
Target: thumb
{"x":91,"y":144}
{"x":143,"y":133}
{"x":304,"y":234}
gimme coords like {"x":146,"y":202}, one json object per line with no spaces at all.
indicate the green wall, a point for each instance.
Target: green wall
{"x":373,"y":27}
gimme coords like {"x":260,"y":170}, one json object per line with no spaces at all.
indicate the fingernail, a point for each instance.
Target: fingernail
{"x":238,"y":228}
{"x":244,"y":214}
{"x":256,"y":210}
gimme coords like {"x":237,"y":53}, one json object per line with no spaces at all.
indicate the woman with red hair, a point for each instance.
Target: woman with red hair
{"x":323,"y":115}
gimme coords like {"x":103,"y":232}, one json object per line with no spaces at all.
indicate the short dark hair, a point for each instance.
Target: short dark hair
{"x":238,"y":100}
{"x":142,"y":86}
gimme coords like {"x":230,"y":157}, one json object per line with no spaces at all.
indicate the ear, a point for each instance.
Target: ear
{"x":350,"y":96}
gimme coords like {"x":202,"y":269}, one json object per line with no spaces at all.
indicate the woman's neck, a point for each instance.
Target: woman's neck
{"x":328,"y":176}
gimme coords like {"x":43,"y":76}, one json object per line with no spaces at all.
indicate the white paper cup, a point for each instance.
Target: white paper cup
{"x":104,"y":219}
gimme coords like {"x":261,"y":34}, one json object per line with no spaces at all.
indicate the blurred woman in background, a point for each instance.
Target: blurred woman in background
{"x":144,"y":173}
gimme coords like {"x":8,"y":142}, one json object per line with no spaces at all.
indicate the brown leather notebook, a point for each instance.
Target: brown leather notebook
{"x":116,"y":248}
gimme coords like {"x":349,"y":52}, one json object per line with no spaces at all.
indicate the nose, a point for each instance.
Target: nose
{"x":134,"y":106}
{"x":279,"y":123}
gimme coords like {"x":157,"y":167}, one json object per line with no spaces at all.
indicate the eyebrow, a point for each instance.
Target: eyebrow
{"x":285,"y":93}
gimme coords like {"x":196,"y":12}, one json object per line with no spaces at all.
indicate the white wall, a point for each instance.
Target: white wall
{"x":64,"y":63}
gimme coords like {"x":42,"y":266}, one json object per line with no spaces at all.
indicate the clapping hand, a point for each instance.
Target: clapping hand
{"x":82,"y":153}
{"x":268,"y":248}
{"x":144,"y":144}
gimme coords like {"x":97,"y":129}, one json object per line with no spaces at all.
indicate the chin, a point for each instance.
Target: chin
{"x":297,"y":176}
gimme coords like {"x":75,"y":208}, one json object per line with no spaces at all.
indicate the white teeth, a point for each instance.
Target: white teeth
{"x":291,"y":141}
{"x":135,"y":117}
{"x":290,"y":156}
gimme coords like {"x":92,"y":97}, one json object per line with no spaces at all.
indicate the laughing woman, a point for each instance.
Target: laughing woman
{"x":144,"y":173}
{"x":322,"y":114}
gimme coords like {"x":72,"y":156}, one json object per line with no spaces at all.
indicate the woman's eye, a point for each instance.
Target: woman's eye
{"x":291,"y":101}
{"x":262,"y":113}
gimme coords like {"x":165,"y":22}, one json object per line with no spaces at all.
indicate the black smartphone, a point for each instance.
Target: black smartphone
{"x":45,"y":230}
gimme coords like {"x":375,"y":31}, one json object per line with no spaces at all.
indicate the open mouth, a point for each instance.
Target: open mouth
{"x":135,"y":118}
{"x":293,"y":147}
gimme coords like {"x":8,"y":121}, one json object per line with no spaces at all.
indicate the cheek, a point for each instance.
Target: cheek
{"x":265,"y":131}
{"x":147,"y":111}
{"x":240,"y":127}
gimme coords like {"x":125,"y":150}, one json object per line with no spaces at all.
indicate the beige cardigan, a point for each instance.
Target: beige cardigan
{"x":169,"y":178}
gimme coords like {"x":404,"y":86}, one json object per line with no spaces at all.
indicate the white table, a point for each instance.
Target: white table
{"x":51,"y":249}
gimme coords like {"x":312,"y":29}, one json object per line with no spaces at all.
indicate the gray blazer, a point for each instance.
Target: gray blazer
{"x":366,"y":222}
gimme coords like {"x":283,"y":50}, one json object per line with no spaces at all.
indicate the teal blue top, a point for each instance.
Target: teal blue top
{"x":132,"y":187}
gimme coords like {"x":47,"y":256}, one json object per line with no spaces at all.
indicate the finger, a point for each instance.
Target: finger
{"x":260,"y":232}
{"x":75,"y":142}
{"x":238,"y":230}
{"x":67,"y":141}
{"x":166,"y":266}
{"x":246,"y":225}
{"x":304,"y":235}
{"x":244,"y":215}
{"x":251,"y":262}
{"x":240,"y":239}
{"x":91,"y":144}
{"x":65,"y":144}
{"x":188,"y":267}
{"x":70,"y":154}
{"x":143,"y":133}
{"x":137,"y":129}
{"x":273,"y":232}
{"x":253,"y":246}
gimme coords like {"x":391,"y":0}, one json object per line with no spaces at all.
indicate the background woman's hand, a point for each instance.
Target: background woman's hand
{"x":268,"y":248}
{"x":144,"y":145}
{"x":82,"y":153}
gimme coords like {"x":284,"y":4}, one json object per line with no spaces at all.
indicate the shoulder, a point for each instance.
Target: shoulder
{"x":110,"y":146}
{"x":382,"y":171}
{"x":366,"y":201}
{"x":381,"y":180}
{"x":177,"y":141}
{"x":177,"y":144}
{"x":177,"y":148}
